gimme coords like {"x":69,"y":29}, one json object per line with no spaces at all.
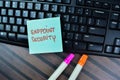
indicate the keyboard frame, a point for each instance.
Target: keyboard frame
{"x":107,"y":33}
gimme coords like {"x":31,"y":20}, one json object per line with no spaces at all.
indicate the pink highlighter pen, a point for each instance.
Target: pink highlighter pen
{"x":62,"y":67}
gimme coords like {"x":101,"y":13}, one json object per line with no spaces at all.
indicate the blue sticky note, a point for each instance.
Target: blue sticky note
{"x":44,"y":35}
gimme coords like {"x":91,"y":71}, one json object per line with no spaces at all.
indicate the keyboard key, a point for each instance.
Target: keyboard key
{"x":62,"y":9}
{"x":114,"y":16}
{"x":41,"y":15}
{"x":17,"y":13}
{"x":78,"y":11}
{"x":79,"y":46}
{"x":98,"y":31}
{"x":89,"y":3}
{"x":119,"y":26}
{"x":63,"y":35}
{"x":54,"y":8}
{"x":78,"y":37}
{"x":106,"y":5}
{"x":22,"y":5}
{"x":3,"y":35}
{"x":101,"y":23}
{"x":0,"y":19}
{"x":116,"y":50}
{"x":8,"y":28}
{"x":80,"y":2}
{"x":7,"y":3}
{"x":22,"y":29}
{"x":25,"y":21}
{"x":82,"y":29}
{"x":1,"y":3}
{"x":67,"y":45}
{"x":113,"y":25}
{"x":95,"y":47}
{"x":32,"y":14}
{"x":22,"y":38}
{"x":11,"y":20}
{"x":14,"y":4}
{"x":10,"y":12}
{"x":66,"y":18}
{"x":5,"y":19}
{"x":15,"y":28}
{"x":45,"y":7}
{"x":66,"y":27}
{"x":25,"y":13}
{"x":90,"y":21}
{"x":19,"y":21}
{"x":38,"y":6}
{"x":74,"y":19}
{"x":116,"y":7}
{"x":91,"y":38}
{"x":74,"y":27}
{"x":87,"y":12}
{"x":98,"y":4}
{"x":57,"y":15}
{"x":108,"y":49}
{"x":117,"y":41}
{"x":3,"y":11}
{"x":48,"y":15}
{"x":70,"y":10}
{"x":12,"y":36}
{"x":69,"y":36}
{"x":1,"y":27}
{"x":29,"y":5}
{"x":82,"y":20}
{"x":100,"y":14}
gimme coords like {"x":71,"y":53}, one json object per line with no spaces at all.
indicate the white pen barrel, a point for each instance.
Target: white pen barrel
{"x":75,"y":72}
{"x":58,"y":71}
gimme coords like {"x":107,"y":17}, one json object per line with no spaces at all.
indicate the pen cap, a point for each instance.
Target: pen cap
{"x":83,"y":60}
{"x":69,"y":58}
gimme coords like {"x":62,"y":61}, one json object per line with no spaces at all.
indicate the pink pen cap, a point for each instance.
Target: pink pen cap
{"x":69,"y":58}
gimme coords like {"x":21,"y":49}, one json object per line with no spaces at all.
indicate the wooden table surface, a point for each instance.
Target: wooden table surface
{"x":17,"y":64}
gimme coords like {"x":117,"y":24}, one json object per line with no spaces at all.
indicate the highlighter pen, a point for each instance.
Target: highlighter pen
{"x":78,"y":67}
{"x":62,"y":67}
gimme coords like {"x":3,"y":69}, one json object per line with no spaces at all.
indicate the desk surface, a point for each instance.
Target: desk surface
{"x":17,"y":64}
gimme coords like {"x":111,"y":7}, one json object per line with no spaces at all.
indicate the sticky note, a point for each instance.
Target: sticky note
{"x":44,"y":35}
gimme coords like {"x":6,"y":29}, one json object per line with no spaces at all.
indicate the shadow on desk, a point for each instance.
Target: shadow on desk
{"x":17,"y":64}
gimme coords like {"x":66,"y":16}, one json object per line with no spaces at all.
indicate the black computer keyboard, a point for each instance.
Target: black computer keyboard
{"x":88,"y":26}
